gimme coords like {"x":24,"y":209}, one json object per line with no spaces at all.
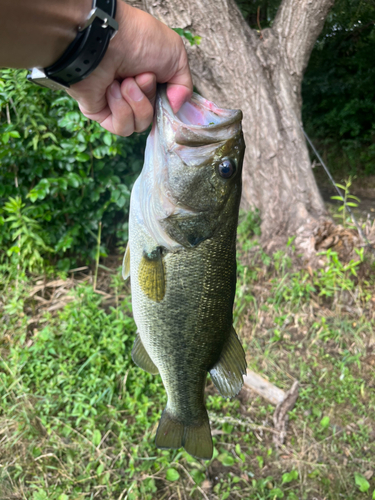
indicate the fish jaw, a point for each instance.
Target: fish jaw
{"x":179,"y":183}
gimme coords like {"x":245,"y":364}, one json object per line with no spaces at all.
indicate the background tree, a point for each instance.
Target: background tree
{"x":260,"y":72}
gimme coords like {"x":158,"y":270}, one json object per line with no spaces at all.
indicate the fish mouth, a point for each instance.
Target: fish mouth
{"x":199,"y":121}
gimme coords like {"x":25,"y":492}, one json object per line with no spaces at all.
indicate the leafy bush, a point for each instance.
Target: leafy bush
{"x":68,"y":171}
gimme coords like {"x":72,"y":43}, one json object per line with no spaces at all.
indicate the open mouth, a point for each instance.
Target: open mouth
{"x":191,"y":114}
{"x":199,"y":112}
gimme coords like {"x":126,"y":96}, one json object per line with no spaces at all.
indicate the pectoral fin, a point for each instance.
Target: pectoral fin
{"x":151,"y":275}
{"x":126,"y":263}
{"x":227,"y":372}
{"x":141,"y":357}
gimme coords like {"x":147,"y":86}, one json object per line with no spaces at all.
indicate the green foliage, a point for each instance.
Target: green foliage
{"x":325,"y":422}
{"x":172,"y":475}
{"x":68,"y":172}
{"x":361,"y":482}
{"x":27,"y":236}
{"x":77,"y":416}
{"x":288,"y":477}
{"x":342,"y":215}
{"x":338,"y":90}
{"x":249,"y":225}
{"x":192,"y":39}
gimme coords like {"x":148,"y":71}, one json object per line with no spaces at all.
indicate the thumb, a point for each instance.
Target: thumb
{"x":180,"y":86}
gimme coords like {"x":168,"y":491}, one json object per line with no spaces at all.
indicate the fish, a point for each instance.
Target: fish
{"x":181,"y":259}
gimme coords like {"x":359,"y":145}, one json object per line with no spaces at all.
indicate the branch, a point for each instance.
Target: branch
{"x":297,"y":26}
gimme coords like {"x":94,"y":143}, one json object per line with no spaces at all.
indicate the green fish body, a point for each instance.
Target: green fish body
{"x":181,"y":258}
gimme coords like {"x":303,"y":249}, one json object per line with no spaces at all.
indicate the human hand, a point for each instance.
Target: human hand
{"x":120,"y":93}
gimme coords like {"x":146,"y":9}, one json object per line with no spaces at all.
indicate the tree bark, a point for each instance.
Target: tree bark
{"x":260,"y":73}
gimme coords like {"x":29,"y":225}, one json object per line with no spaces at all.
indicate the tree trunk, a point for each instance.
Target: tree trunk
{"x":260,"y":73}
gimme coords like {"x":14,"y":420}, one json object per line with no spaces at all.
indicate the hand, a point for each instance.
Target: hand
{"x":120,"y":93}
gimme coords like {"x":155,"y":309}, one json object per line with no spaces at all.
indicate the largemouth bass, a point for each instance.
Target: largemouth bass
{"x":181,"y":258}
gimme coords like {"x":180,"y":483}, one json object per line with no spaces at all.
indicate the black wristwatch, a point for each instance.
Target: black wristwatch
{"x":85,"y":53}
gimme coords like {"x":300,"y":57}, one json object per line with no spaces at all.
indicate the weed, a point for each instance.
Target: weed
{"x":346,"y":202}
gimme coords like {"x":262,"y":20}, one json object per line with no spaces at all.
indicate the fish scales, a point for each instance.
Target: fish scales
{"x":183,"y":270}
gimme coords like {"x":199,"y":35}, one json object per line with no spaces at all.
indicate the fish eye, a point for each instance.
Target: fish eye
{"x":226,"y":168}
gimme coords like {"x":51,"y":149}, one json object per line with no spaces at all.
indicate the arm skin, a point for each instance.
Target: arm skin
{"x":120,"y":93}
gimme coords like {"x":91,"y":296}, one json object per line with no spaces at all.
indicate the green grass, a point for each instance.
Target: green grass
{"x":78,"y":418}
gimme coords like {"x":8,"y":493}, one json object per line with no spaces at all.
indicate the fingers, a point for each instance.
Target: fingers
{"x":129,"y":105}
{"x":147,"y":83}
{"x":138,"y":92}
{"x":119,"y":119}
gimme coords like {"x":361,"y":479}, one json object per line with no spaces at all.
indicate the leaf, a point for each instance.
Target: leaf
{"x":172,"y":475}
{"x":83,"y":157}
{"x":276,"y":493}
{"x":290,"y":476}
{"x":74,"y":180}
{"x":193,"y":39}
{"x":198,"y":476}
{"x":5,"y":137}
{"x":96,"y":437}
{"x":325,"y":422}
{"x":353,"y":197}
{"x":361,"y":482}
{"x":226,"y":459}
{"x":107,"y":138}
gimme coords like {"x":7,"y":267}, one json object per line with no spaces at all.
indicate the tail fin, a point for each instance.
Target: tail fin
{"x":196,"y":439}
{"x":170,"y":432}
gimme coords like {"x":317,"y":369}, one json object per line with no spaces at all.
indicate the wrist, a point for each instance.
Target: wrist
{"x":84,"y":53}
{"x":65,"y":28}
{"x":125,"y":15}
{"x":37,"y":33}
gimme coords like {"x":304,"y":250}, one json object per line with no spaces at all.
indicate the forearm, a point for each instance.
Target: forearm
{"x":37,"y":32}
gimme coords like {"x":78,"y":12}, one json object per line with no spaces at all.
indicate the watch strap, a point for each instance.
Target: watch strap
{"x":85,"y":52}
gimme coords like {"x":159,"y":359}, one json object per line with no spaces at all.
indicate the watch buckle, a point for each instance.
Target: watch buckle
{"x":108,"y":21}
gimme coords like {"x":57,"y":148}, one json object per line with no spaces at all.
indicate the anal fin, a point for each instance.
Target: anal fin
{"x":141,"y":357}
{"x":227,"y":373}
{"x":126,"y":263}
{"x":151,"y":275}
